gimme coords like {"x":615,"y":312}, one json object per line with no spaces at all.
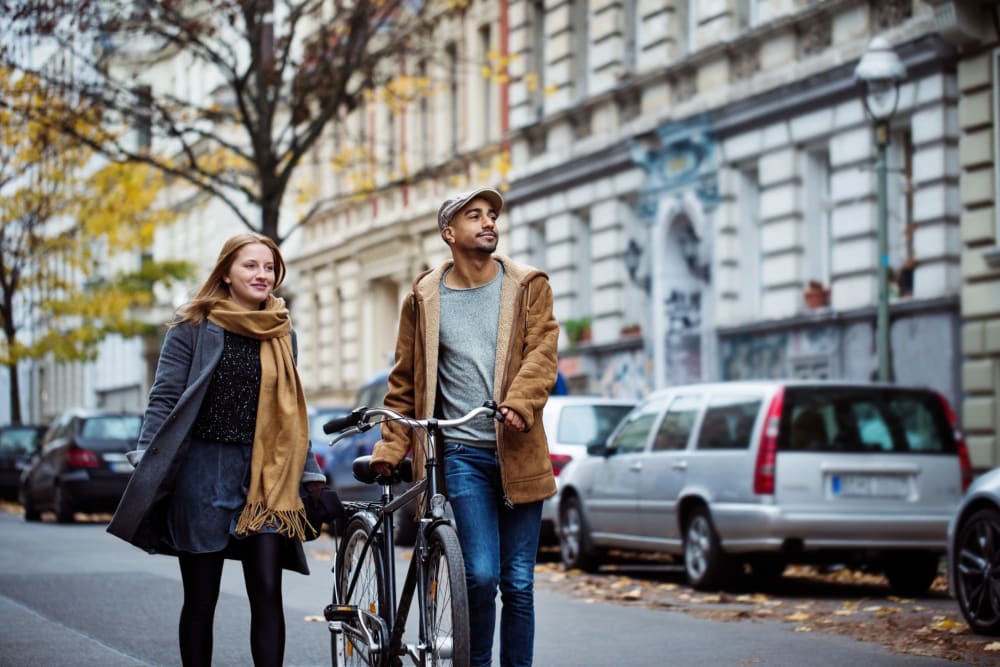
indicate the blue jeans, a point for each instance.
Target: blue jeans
{"x":499,"y":544}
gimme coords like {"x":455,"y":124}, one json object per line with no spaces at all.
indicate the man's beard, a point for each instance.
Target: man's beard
{"x":487,"y":247}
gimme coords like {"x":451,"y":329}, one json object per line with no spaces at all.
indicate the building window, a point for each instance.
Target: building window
{"x":536,"y":74}
{"x":581,"y":262}
{"x":451,"y":51}
{"x":143,"y":118}
{"x":485,"y":77}
{"x":746,"y":14}
{"x":580,"y":48}
{"x":688,"y":19}
{"x":425,"y":117}
{"x":996,"y":143}
{"x":816,"y":210}
{"x":630,"y":36}
{"x":900,"y":212}
{"x":747,"y":203}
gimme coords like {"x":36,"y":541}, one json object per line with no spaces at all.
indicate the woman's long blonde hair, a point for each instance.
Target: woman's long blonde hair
{"x":215,"y":289}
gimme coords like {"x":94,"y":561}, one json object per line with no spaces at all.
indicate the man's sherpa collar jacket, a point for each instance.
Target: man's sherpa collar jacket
{"x":525,"y":372}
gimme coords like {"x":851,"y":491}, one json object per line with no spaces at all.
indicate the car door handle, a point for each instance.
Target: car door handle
{"x":635,"y":467}
{"x":679,"y":465}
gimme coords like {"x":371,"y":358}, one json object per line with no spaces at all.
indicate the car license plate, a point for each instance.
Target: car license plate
{"x":890,"y":486}
{"x":120,"y":466}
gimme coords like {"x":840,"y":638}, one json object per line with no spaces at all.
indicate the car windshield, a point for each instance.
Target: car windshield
{"x":112,"y":427}
{"x":586,"y":424}
{"x":874,"y":420}
{"x":18,"y":440}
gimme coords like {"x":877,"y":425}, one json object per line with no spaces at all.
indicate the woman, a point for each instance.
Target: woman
{"x":224,"y":449}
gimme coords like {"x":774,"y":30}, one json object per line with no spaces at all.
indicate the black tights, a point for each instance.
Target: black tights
{"x":202,"y":575}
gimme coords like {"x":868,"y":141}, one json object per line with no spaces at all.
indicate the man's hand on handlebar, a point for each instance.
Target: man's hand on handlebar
{"x":511,"y":420}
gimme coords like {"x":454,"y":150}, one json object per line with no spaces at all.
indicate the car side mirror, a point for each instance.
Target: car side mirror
{"x":599,"y":449}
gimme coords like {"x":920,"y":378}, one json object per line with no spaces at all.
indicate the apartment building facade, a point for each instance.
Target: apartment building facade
{"x":974,"y":30}
{"x":706,"y":170}
{"x":386,"y":170}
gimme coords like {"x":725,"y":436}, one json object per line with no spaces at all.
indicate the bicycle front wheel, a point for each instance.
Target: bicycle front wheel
{"x":359,"y":582}
{"x":447,"y":603}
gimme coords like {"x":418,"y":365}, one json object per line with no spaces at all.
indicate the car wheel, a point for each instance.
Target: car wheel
{"x":704,"y":562}
{"x":31,"y":512}
{"x":575,"y":546}
{"x":976,"y":571}
{"x":63,"y":506}
{"x":911,"y":573}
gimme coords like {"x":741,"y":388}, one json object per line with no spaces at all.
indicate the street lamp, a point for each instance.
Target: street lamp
{"x":880,"y":72}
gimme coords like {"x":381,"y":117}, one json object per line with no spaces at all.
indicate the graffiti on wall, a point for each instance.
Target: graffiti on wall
{"x":627,"y":375}
{"x":806,"y":353}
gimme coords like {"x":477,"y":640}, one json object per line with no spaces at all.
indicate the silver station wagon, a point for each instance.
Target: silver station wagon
{"x":747,"y":477}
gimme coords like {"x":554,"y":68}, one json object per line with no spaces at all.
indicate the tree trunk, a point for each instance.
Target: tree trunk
{"x":269,"y":210}
{"x":15,"y":393}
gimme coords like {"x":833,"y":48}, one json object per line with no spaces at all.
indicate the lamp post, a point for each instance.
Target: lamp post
{"x":880,"y":72}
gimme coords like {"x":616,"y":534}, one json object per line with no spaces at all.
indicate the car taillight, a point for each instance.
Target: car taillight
{"x":559,"y":461}
{"x":767,"y":453}
{"x":77,"y":457}
{"x":320,"y":461}
{"x":963,"y":451}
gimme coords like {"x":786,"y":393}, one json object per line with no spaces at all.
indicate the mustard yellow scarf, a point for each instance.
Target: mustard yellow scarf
{"x":281,"y":435}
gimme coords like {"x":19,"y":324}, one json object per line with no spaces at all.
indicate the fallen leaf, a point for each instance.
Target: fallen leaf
{"x":798,"y":616}
{"x":314,"y":619}
{"x":887,"y":611}
{"x":634,"y":594}
{"x":992,"y":646}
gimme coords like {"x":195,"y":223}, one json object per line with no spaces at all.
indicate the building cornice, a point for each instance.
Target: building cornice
{"x":814,"y":319}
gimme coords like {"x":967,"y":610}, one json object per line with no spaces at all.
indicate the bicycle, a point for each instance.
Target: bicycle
{"x":366,"y":620}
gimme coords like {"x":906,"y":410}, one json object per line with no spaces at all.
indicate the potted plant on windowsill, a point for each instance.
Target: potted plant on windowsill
{"x":577,"y":330}
{"x":630,"y":330}
{"x":815,"y":295}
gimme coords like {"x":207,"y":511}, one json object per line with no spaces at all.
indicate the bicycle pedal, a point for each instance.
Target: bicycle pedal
{"x":344,"y":613}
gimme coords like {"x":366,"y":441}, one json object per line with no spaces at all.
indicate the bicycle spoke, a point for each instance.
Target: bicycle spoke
{"x":446,"y":604}
{"x":358,"y":584}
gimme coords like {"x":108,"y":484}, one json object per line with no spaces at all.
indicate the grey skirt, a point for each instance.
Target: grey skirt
{"x":208,"y":495}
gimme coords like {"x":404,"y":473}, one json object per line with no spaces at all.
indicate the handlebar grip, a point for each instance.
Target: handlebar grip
{"x":492,"y":405}
{"x":338,"y":424}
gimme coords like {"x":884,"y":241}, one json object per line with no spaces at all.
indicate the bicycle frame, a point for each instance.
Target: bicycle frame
{"x":392,"y":619}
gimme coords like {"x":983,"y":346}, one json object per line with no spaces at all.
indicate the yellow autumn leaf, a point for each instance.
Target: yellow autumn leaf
{"x":798,"y":616}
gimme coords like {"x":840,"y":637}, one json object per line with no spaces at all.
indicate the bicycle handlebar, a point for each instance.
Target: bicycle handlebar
{"x":359,"y":420}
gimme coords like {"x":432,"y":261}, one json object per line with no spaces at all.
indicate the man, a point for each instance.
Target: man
{"x":478,"y":327}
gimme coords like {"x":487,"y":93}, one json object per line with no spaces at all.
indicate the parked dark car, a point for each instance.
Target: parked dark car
{"x":763,"y":474}
{"x":81,"y":464}
{"x":17,"y":443}
{"x":974,"y":555}
{"x":340,"y":458}
{"x":319,"y":415}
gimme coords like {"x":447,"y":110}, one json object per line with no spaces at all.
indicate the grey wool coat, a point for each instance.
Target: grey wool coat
{"x":188,"y":358}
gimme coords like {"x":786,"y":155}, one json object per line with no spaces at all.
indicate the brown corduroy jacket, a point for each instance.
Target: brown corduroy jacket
{"x":524,"y":374}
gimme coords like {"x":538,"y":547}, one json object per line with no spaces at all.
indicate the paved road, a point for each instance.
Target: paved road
{"x":71,"y":595}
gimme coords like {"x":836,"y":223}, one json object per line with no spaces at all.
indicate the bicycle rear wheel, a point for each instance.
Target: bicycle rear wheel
{"x":364,"y":569}
{"x":447,"y":602}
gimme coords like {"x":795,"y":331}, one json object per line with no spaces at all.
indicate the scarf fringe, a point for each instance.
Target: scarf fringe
{"x":290,"y":523}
